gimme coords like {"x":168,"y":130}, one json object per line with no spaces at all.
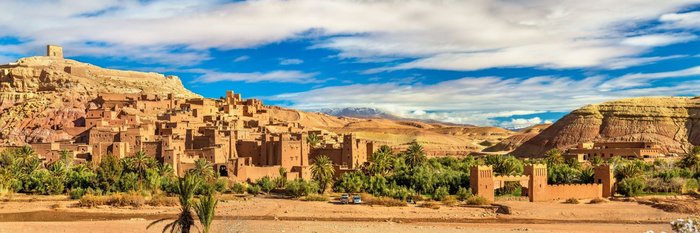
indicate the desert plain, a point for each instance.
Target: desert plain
{"x":30,"y":214}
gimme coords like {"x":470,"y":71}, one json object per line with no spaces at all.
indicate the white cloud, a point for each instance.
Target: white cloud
{"x":519,"y":123}
{"x":476,"y":100}
{"x":456,"y":35}
{"x":645,"y":79}
{"x":690,"y":20}
{"x":658,"y":39}
{"x":291,"y":61}
{"x":279,"y":76}
{"x":241,"y":58}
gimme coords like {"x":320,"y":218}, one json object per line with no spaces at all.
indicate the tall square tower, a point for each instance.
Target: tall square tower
{"x":54,"y":51}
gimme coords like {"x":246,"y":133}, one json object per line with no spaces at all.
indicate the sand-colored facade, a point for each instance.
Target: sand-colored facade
{"x":607,"y":150}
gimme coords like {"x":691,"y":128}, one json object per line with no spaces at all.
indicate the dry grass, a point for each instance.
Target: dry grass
{"x":315,"y":197}
{"x":571,"y":201}
{"x":56,"y":206}
{"x":383,"y":201}
{"x":430,"y":205}
{"x":161,"y":200}
{"x":477,"y":200}
{"x":450,"y":201}
{"x":117,"y":200}
{"x":597,"y":201}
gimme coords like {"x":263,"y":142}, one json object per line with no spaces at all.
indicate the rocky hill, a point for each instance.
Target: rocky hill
{"x":674,"y":122}
{"x":39,"y":96}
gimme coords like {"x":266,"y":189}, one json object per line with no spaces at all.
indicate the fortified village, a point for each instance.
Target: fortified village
{"x":238,"y":136}
{"x":244,"y":141}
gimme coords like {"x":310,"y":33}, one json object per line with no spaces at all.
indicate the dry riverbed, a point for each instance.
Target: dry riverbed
{"x":260,"y":214}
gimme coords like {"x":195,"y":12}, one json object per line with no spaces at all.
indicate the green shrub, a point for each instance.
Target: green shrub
{"x":477,"y":200}
{"x":238,"y":188}
{"x":464,"y":193}
{"x":266,"y":184}
{"x":691,"y":186}
{"x":299,"y":187}
{"x":441,"y":193}
{"x":631,"y":186}
{"x":254,"y":189}
{"x":350,"y":182}
{"x":129,"y":182}
{"x":221,"y":185}
{"x":76,"y":193}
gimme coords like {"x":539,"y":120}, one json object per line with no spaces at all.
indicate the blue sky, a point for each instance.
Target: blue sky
{"x":502,"y":63}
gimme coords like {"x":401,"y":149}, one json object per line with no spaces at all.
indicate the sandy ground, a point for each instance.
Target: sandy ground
{"x":282,"y":215}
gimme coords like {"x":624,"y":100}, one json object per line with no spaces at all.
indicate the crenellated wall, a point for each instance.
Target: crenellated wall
{"x":483,"y":183}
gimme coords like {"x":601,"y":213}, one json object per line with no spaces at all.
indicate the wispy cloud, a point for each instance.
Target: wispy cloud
{"x":241,"y":58}
{"x":540,"y":33}
{"x":291,"y":61}
{"x":279,"y":76}
{"x":476,"y":100}
{"x":689,"y":20}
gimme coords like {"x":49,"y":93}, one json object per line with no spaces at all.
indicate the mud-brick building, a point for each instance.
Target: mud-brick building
{"x":607,"y":150}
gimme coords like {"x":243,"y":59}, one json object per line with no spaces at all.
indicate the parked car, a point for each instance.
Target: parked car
{"x":356,"y":199}
{"x":345,"y":198}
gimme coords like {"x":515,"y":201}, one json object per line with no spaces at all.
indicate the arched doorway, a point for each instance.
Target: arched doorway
{"x":223,"y":171}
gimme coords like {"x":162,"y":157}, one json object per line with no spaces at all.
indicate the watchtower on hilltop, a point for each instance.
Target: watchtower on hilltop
{"x":54,"y":51}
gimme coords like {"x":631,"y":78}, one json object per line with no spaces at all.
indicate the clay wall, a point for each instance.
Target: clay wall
{"x":77,"y":71}
{"x":253,"y":173}
{"x":612,"y":152}
{"x":335,"y":154}
{"x":566,"y":191}
{"x":152,"y":149}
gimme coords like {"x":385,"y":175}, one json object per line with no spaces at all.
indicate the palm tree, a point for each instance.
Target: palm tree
{"x":166,"y":170}
{"x":66,"y":158}
{"x":505,"y":165}
{"x":596,"y":160}
{"x":313,"y":139}
{"x":185,"y":190}
{"x":322,"y":171}
{"x":415,"y":155}
{"x":205,"y":209}
{"x":204,"y":169}
{"x":140,"y":163}
{"x":691,"y":159}
{"x":628,"y":170}
{"x":27,"y":158}
{"x":554,"y":156}
{"x":381,"y":162}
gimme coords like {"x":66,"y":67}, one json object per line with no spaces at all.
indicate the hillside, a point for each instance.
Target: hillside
{"x":42,"y":97}
{"x":671,"y":121}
